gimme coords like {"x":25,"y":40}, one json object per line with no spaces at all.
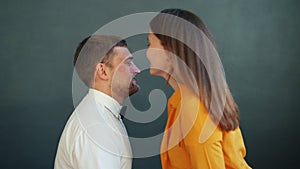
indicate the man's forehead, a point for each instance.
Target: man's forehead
{"x":122,"y":54}
{"x":121,"y":50}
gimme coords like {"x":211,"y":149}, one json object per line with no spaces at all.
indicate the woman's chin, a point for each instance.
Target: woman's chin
{"x":157,"y":72}
{"x":153,"y":72}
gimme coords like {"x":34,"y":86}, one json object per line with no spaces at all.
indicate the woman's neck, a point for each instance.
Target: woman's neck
{"x":173,"y":83}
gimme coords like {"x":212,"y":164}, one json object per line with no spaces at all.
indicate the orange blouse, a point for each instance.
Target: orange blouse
{"x":181,"y":148}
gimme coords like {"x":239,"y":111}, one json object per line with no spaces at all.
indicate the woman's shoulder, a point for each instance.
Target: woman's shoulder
{"x":196,"y":118}
{"x":191,"y":102}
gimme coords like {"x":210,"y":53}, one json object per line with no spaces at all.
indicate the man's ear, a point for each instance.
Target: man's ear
{"x":102,"y":71}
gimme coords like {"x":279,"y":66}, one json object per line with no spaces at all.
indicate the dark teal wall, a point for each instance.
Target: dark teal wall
{"x":258,"y":42}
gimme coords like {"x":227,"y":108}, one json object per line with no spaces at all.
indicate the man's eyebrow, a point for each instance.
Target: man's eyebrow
{"x":128,"y":58}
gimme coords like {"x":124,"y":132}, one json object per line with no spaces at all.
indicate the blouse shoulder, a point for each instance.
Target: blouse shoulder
{"x":195,"y":120}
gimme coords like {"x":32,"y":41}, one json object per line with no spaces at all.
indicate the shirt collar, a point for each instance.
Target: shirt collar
{"x":110,"y":103}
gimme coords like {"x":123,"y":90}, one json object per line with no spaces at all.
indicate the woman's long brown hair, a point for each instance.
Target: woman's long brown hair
{"x":230,"y":117}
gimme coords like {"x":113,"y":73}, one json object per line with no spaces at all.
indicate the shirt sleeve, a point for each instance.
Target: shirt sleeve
{"x":88,"y":155}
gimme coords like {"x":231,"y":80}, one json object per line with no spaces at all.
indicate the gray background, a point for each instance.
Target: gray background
{"x":258,"y":42}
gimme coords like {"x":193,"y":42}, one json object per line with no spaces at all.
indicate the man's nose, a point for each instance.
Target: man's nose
{"x":136,"y":69}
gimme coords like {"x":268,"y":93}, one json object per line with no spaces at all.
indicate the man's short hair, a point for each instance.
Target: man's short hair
{"x":91,"y":51}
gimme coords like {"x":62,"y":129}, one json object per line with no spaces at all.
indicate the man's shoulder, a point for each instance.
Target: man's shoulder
{"x":88,"y":122}
{"x":95,"y":135}
{"x":72,"y":129}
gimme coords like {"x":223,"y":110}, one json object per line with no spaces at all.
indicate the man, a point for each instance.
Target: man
{"x":95,"y":136}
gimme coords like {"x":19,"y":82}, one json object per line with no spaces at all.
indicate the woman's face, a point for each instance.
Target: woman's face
{"x":157,"y":56}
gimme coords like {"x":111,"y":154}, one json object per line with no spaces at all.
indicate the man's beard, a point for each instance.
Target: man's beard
{"x":133,"y":88}
{"x":125,"y":92}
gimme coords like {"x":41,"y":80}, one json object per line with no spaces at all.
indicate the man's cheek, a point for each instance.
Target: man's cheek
{"x":131,"y":70}
{"x":121,"y":69}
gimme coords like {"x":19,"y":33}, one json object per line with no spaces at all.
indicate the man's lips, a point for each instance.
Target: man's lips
{"x":133,"y":80}
{"x":134,"y":87}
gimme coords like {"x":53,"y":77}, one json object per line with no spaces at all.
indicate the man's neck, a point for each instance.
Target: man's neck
{"x":119,"y":99}
{"x":108,"y":92}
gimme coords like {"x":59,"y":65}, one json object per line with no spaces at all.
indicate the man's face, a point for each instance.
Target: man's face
{"x":123,"y":74}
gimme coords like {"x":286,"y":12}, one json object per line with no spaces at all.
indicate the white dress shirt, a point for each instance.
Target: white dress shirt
{"x":94,"y":136}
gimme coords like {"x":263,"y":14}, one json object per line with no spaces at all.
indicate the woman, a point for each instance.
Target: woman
{"x":202,"y":130}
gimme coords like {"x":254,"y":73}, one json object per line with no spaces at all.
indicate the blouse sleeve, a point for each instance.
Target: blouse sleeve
{"x":206,"y":155}
{"x":221,"y":150}
{"x":234,"y":150}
